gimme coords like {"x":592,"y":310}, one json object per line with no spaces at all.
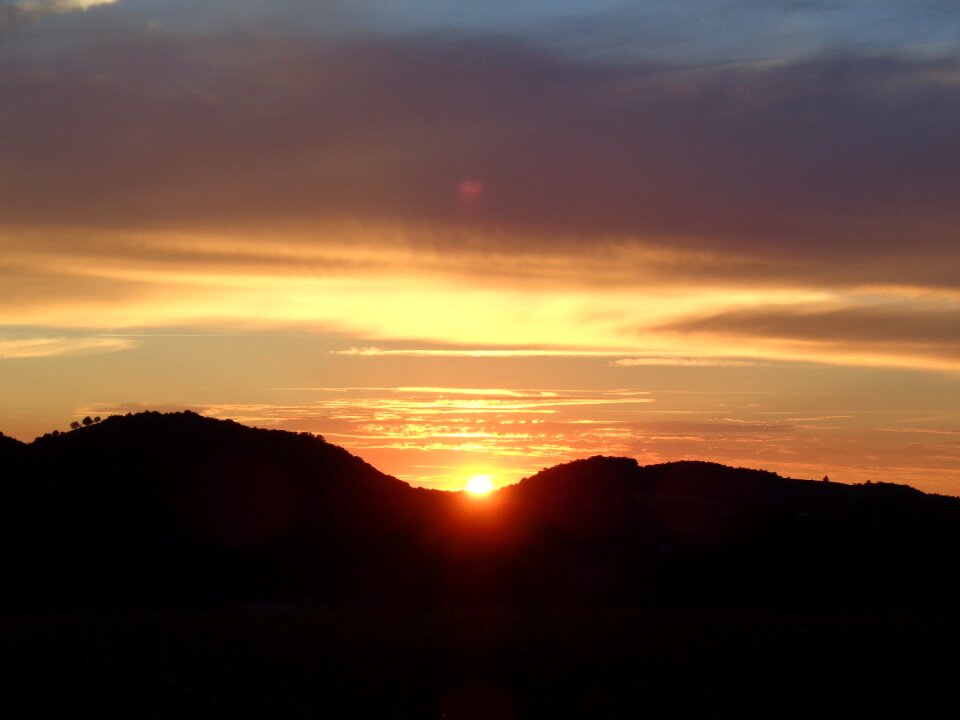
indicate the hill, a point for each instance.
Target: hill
{"x":8,"y":445}
{"x":693,"y":532}
{"x":178,"y":509}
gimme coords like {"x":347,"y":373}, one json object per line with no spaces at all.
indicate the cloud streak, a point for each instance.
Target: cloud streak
{"x":45,"y":347}
{"x":681,"y":362}
{"x":921,"y":329}
{"x":23,"y":11}
{"x":476,"y":352}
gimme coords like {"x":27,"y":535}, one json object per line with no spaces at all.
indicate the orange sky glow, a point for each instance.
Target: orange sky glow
{"x":460,"y":252}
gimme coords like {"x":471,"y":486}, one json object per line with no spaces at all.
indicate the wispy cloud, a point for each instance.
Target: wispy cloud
{"x":891,"y":332}
{"x":482,"y":392}
{"x":682,"y":362}
{"x":28,"y":10}
{"x":476,"y":352}
{"x":920,"y":431}
{"x":621,"y":361}
{"x":43,"y":347}
{"x":58,"y":6}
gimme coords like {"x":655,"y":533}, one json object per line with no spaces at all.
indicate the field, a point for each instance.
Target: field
{"x":301,"y":663}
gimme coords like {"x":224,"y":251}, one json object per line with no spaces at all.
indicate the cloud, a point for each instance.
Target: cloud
{"x":476,"y":352}
{"x":155,"y":175}
{"x":682,"y":362}
{"x":29,"y":10}
{"x":621,"y":361}
{"x":888,"y":331}
{"x":768,"y":169}
{"x":688,"y":31}
{"x":44,"y":347}
{"x":58,"y":6}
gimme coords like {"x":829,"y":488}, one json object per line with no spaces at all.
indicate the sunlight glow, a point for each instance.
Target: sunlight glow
{"x":479,"y":485}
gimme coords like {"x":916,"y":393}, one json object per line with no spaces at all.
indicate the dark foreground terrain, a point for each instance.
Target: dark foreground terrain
{"x":174,"y":566}
{"x":316,"y":663}
{"x":179,"y":510}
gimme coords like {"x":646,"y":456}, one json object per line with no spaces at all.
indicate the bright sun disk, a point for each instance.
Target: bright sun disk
{"x":479,"y":485}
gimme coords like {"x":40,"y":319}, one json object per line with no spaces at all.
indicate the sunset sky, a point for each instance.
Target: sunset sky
{"x":462,"y":238}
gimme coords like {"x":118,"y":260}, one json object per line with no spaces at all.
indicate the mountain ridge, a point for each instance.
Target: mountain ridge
{"x":181,"y":509}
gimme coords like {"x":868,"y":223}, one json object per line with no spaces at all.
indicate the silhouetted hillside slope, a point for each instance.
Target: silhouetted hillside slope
{"x":689,"y":531}
{"x":181,"y":509}
{"x":8,"y":446}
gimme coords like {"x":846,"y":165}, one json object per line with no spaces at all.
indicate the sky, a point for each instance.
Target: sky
{"x":464,"y":238}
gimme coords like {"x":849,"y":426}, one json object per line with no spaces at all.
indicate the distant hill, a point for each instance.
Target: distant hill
{"x":695,"y":531}
{"x":178,"y":509}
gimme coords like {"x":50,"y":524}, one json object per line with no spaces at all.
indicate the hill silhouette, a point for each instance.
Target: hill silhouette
{"x":179,"y":509}
{"x":8,"y":447}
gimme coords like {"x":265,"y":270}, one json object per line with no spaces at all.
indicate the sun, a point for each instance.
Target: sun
{"x":479,"y":484}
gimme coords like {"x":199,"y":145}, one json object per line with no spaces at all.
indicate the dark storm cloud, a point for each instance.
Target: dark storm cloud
{"x":842,"y":158}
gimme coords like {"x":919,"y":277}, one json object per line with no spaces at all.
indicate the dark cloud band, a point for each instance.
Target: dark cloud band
{"x":842,"y":156}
